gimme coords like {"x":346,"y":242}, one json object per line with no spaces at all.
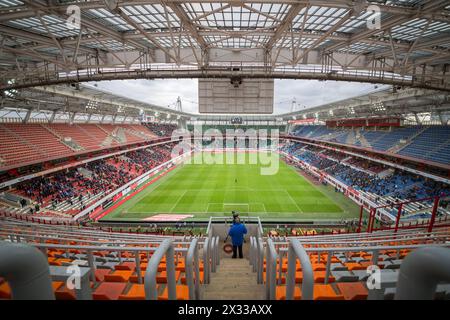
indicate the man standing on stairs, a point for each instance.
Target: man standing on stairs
{"x":237,"y":232}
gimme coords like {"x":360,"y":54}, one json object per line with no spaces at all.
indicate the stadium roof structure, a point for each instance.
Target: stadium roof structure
{"x":80,"y":103}
{"x":87,"y":103}
{"x":402,"y":103}
{"x":44,"y":43}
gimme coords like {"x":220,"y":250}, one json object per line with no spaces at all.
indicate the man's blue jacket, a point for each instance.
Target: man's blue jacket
{"x":236,"y":233}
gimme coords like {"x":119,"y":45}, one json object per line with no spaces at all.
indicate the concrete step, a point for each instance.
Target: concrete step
{"x":231,"y":270}
{"x":227,"y":273}
{"x":239,"y":280}
{"x":234,"y":280}
{"x":234,"y":296}
{"x":228,"y":287}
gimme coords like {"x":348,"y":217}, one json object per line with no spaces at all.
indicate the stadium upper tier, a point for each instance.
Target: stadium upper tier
{"x":22,"y":144}
{"x":66,"y":193}
{"x":423,"y":142}
{"x":381,"y":184}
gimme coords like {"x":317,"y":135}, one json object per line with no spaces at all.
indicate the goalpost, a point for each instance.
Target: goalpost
{"x":242,"y":208}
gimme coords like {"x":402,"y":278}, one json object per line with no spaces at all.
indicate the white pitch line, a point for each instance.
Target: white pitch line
{"x":301,"y":211}
{"x":176,"y":203}
{"x":264,"y":205}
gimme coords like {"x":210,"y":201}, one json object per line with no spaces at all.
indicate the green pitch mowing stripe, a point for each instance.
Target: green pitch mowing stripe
{"x":205,"y":190}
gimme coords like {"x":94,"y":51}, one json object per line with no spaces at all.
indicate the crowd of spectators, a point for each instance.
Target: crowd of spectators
{"x":309,"y":154}
{"x":399,"y":184}
{"x":144,"y":160}
{"x":335,"y":155}
{"x":366,"y":165}
{"x":101,"y":176}
{"x":160,"y":129}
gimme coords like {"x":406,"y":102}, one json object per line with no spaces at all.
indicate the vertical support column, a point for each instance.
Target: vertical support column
{"x":27,"y":116}
{"x":369,"y":223}
{"x":91,"y":264}
{"x":52,"y":118}
{"x":137,"y":258}
{"x":360,"y":218}
{"x":399,"y":214}
{"x":418,"y":122}
{"x":433,"y":214}
{"x":328,"y":268}
{"x":280,"y":265}
{"x":72,"y":118}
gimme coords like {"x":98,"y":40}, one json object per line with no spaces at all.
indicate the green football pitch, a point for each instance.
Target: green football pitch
{"x":204,"y":190}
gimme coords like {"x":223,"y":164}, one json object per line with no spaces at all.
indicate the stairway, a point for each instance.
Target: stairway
{"x":72,"y":144}
{"x":399,"y":146}
{"x":363,"y":140}
{"x":351,"y":138}
{"x":234,"y":280}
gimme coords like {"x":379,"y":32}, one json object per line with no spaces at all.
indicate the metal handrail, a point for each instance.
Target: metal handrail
{"x":358,"y":236}
{"x":348,"y":242}
{"x":375,"y":250}
{"x":80,"y":232}
{"x":216,"y":250}
{"x":150,"y":285}
{"x":192,"y":271}
{"x":214,"y":255}
{"x":92,"y":242}
{"x":358,"y":249}
{"x":208,"y":229}
{"x":259,"y":260}
{"x":252,"y":253}
{"x":260,"y":229}
{"x":296,"y":251}
{"x":206,"y":261}
{"x":271,"y":269}
{"x":420,"y":273}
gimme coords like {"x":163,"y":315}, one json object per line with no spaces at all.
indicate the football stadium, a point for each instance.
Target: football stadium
{"x":224,"y":150}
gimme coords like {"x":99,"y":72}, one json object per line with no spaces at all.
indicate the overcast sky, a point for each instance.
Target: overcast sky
{"x":308,"y":93}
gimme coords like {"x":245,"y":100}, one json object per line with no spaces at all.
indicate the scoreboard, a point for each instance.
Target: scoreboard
{"x":245,"y":96}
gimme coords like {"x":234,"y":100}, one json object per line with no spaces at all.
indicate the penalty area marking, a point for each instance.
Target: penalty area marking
{"x":235,"y":206}
{"x":176,"y":203}
{"x":292,"y":199}
{"x":169,"y":217}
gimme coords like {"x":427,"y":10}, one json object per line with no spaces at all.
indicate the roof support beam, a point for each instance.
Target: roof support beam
{"x":41,"y":6}
{"x":284,"y":25}
{"x":141,"y":30}
{"x":388,"y":24}
{"x":319,"y":41}
{"x":179,"y":12}
{"x":20,"y":12}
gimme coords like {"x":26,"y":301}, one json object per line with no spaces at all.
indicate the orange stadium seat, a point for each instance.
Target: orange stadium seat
{"x":109,"y":291}
{"x":182,"y":292}
{"x":136,"y":292}
{"x":353,"y":290}
{"x":118,"y":276}
{"x":321,"y":292}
